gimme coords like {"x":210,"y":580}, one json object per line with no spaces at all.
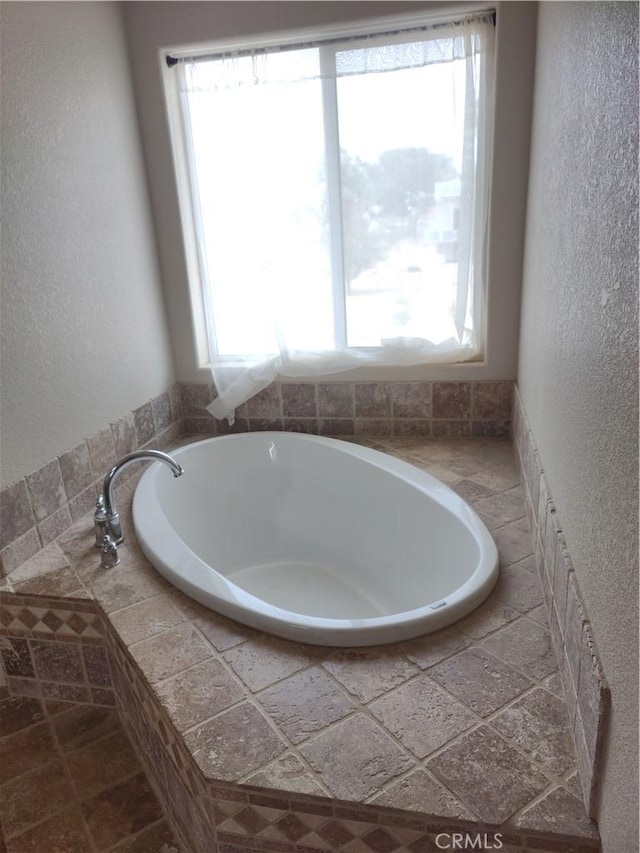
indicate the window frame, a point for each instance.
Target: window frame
{"x":330,"y":39}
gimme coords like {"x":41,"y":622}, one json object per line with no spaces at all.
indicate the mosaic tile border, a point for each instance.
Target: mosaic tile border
{"x":38,"y":508}
{"x":50,"y":618}
{"x":586,"y":689}
{"x":480,"y":408}
{"x":54,"y":649}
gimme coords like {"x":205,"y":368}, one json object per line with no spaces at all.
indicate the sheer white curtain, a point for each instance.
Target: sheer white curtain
{"x":340,"y":196}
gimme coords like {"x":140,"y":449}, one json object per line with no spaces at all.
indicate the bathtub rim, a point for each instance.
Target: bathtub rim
{"x":174,"y":560}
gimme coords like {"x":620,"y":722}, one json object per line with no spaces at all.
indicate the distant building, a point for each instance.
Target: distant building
{"x":446,"y":218}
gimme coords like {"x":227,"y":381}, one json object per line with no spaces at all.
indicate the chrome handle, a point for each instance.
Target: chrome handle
{"x":108,"y":553}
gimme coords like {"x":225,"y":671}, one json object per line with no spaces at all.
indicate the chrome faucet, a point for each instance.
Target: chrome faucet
{"x":108,"y":527}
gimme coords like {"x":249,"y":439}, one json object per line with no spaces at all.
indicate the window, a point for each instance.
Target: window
{"x":335,"y":196}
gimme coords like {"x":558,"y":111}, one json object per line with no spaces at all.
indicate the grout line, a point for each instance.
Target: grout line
{"x":124,"y":843}
{"x":315,"y":774}
{"x":67,"y":773}
{"x":43,"y":721}
{"x":155,"y":636}
{"x":525,"y":808}
{"x":30,"y":827}
{"x":421,"y":767}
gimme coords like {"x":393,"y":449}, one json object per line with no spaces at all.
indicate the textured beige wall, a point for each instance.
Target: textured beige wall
{"x":578,"y":369}
{"x":152,"y":26}
{"x":84,"y":336}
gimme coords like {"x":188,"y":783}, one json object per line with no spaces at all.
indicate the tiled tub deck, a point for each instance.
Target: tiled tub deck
{"x":255,"y":743}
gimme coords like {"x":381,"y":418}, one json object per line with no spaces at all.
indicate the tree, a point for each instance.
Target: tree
{"x":407,"y":178}
{"x":362,"y":246}
{"x":384,"y":200}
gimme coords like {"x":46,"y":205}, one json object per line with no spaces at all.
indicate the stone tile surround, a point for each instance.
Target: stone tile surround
{"x":71,"y":782}
{"x":38,"y":508}
{"x":587,"y":692}
{"x":415,"y":729}
{"x":53,"y":648}
{"x":430,"y":409}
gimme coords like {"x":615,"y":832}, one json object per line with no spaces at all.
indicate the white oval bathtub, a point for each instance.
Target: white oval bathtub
{"x":314,"y":539}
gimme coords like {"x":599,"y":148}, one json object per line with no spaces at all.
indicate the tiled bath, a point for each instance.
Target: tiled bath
{"x":38,"y":508}
{"x":254,"y":743}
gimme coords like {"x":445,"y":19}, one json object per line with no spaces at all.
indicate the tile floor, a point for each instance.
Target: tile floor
{"x":469,"y":723}
{"x":70,"y":782}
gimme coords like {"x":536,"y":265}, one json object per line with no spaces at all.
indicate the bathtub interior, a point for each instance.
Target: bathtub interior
{"x":317,"y":531}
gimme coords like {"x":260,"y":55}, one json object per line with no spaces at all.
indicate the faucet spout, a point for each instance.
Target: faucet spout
{"x":110,"y":514}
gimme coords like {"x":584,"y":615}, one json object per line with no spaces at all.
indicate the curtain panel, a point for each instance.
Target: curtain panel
{"x":340,"y":196}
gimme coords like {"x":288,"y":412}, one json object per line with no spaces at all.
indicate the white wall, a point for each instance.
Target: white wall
{"x":84,"y":335}
{"x":578,"y":369}
{"x":152,"y":26}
